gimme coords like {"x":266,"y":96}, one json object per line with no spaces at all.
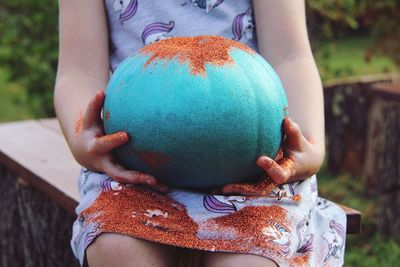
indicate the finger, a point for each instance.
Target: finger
{"x":279,"y":155}
{"x":159,"y":187}
{"x":104,"y":144}
{"x":120,"y":174}
{"x":92,"y":114}
{"x":264,"y":188}
{"x":291,"y":129}
{"x":279,"y":173}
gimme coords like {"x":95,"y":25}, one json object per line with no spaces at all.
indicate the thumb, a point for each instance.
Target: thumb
{"x":293,"y":134}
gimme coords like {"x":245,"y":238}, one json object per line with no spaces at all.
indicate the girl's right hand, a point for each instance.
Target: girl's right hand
{"x":92,"y":147}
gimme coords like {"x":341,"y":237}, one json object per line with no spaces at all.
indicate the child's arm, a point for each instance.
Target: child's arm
{"x":83,"y":71}
{"x":283,"y":41}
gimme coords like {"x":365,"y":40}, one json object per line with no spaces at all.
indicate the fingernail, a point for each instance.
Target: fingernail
{"x":262,"y":159}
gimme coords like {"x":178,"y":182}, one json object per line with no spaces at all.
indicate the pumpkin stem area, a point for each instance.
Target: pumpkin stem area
{"x":197,"y":51}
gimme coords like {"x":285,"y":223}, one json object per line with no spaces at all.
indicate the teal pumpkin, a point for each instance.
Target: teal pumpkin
{"x":199,"y":111}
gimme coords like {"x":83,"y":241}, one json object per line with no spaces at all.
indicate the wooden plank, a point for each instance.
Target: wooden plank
{"x":331,"y":84}
{"x":353,"y":220}
{"x":51,"y":124}
{"x":387,"y":90}
{"x":37,"y":151}
{"x":41,"y":157}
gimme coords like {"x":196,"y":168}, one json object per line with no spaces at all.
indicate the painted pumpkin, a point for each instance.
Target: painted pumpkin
{"x":199,"y":111}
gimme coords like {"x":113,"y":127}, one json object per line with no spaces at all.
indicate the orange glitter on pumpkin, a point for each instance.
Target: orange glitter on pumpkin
{"x":197,"y":51}
{"x":152,"y":159}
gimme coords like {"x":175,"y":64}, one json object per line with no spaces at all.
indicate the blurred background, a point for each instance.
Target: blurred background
{"x":357,"y":48}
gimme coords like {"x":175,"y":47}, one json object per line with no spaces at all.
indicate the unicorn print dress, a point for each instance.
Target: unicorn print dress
{"x":292,"y":226}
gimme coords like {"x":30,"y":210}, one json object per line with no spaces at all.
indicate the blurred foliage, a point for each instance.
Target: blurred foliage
{"x":345,"y":56}
{"x":331,"y":19}
{"x":14,"y":100}
{"x":29,"y":48}
{"x":367,"y":249}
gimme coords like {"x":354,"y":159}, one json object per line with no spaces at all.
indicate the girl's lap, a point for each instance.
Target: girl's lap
{"x":226,"y":259}
{"x":292,"y":225}
{"x":111,"y":249}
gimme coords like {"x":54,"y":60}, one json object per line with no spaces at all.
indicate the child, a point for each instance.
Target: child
{"x":120,"y":224}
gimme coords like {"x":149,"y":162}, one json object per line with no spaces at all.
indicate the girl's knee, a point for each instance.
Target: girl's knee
{"x":222,"y":259}
{"x":111,"y":249}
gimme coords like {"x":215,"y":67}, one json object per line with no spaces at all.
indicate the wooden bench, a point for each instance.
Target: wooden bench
{"x":38,"y":181}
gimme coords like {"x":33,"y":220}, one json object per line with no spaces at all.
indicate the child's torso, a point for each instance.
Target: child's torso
{"x":134,"y":23}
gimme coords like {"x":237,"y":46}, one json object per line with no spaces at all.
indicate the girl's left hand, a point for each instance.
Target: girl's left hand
{"x":301,"y":158}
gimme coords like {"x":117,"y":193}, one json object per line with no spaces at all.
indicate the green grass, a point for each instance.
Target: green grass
{"x":346,"y":57}
{"x":13,"y":100}
{"x":367,"y":249}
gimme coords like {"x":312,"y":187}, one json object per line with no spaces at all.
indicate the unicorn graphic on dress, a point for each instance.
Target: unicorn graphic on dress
{"x":305,"y":240}
{"x":222,"y":204}
{"x":109,"y":184}
{"x":280,"y":236}
{"x":208,"y":5}
{"x":322,"y":203}
{"x":156,"y":31}
{"x":313,"y":187}
{"x":243,"y":25}
{"x":335,"y":238}
{"x":78,"y":224}
{"x":284,"y":191}
{"x":126,"y":8}
{"x":91,"y":235}
{"x":85,"y":173}
{"x":280,"y":192}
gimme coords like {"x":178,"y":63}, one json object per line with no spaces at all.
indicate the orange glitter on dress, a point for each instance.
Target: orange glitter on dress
{"x":263,"y":188}
{"x":246,"y":224}
{"x":79,"y":123}
{"x":142,"y":213}
{"x":194,"y":51}
{"x":296,"y":198}
{"x":300,"y":260}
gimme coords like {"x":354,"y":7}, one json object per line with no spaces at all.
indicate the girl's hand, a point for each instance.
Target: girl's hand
{"x":92,"y":148}
{"x":301,"y":158}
